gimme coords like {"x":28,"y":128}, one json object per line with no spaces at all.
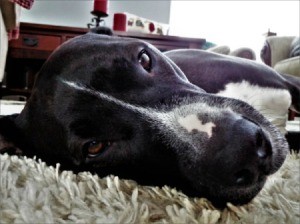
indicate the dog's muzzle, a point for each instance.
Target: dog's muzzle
{"x":224,"y":147}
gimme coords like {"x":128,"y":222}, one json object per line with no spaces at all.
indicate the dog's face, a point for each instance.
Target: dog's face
{"x":119,"y":106}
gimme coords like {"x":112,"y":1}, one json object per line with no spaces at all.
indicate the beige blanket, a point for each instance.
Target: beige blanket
{"x":31,"y":192}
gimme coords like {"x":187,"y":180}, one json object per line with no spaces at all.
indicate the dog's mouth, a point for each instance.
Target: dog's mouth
{"x":220,"y":195}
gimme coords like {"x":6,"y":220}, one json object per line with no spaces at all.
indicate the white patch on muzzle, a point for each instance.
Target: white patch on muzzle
{"x":191,"y":122}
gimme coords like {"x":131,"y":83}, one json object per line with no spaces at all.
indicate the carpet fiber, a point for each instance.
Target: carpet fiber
{"x":32,"y":192}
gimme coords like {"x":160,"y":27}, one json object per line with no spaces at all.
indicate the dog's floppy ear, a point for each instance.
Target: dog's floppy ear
{"x":102,"y":30}
{"x":9,"y":135}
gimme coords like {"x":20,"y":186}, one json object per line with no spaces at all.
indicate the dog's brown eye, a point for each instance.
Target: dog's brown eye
{"x":145,"y":60}
{"x":94,"y":148}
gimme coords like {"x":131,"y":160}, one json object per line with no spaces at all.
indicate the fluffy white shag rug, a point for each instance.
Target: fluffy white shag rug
{"x":32,"y":192}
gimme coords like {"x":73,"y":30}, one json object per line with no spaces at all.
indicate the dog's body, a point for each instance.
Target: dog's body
{"x":263,"y":88}
{"x":119,"y":106}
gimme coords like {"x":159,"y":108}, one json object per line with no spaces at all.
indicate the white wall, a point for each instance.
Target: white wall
{"x":76,"y":13}
{"x":234,"y":23}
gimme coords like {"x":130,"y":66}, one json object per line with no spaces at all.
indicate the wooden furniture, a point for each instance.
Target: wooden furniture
{"x":36,"y":42}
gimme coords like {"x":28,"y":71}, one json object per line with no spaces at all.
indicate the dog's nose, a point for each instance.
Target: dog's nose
{"x":247,"y":156}
{"x":255,"y":150}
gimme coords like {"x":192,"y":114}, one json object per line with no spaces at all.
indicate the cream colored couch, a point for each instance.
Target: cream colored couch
{"x":277,"y":52}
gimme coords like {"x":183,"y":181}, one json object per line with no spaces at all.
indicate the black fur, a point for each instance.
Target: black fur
{"x":127,"y":95}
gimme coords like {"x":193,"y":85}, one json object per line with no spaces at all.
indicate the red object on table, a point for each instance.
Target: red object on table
{"x":101,"y":6}
{"x":151,"y":27}
{"x":120,"y":22}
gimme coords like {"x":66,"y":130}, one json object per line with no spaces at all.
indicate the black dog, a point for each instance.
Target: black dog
{"x":119,"y":106}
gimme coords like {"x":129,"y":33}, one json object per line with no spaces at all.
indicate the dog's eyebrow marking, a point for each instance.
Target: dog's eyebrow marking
{"x":78,"y":86}
{"x":191,"y":122}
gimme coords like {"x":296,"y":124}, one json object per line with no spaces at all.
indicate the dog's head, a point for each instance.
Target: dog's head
{"x":117,"y":105}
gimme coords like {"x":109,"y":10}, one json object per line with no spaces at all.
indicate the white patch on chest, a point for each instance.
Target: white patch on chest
{"x":271,"y":102}
{"x":191,"y":122}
